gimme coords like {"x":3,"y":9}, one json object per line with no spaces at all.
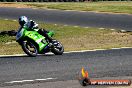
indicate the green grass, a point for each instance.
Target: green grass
{"x":102,"y":6}
{"x":8,"y":25}
{"x":116,"y":7}
{"x":73,"y":38}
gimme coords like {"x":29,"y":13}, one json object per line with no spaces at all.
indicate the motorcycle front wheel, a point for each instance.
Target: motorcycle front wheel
{"x":29,"y":48}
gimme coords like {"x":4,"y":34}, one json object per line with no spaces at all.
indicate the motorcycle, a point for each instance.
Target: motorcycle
{"x":33,"y":43}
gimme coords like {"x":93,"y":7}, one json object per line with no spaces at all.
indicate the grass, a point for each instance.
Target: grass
{"x":105,"y":6}
{"x":73,"y":38}
{"x":116,"y":7}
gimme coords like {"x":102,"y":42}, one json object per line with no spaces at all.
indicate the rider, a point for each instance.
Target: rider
{"x":31,"y":25}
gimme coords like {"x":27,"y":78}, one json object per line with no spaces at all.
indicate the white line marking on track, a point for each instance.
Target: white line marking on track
{"x":40,"y":79}
{"x":68,"y":10}
{"x":123,"y":30}
{"x":5,"y":19}
{"x":86,"y":27}
{"x":14,"y":82}
{"x":12,"y":55}
{"x":115,"y":48}
{"x":76,"y":26}
{"x":70,"y":51}
{"x":101,"y":28}
{"x":45,"y":79}
{"x":112,"y":29}
{"x":65,"y":25}
{"x":79,"y":51}
{"x":14,"y":20}
{"x":22,"y":81}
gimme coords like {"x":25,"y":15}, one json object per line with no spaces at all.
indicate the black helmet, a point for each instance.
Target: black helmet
{"x":23,"y":20}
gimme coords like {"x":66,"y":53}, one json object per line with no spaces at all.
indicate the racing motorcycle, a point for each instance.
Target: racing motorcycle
{"x":33,"y":43}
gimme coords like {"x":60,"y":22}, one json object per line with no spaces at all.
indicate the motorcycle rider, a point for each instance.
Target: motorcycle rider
{"x":32,"y":25}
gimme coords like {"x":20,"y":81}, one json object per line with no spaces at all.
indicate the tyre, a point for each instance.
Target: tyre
{"x":58,"y":48}
{"x":85,"y":82}
{"x":29,"y":48}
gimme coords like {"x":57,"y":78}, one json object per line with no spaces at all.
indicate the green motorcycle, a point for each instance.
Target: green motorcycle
{"x":33,"y":43}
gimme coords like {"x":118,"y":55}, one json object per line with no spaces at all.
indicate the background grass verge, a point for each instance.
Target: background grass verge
{"x":102,"y":6}
{"x":116,"y":7}
{"x":73,"y":38}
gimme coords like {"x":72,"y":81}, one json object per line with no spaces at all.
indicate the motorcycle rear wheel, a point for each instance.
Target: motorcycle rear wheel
{"x":58,"y":48}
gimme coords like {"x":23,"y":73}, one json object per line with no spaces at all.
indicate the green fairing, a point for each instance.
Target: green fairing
{"x":38,"y":44}
{"x":35,"y":36}
{"x":51,"y":33}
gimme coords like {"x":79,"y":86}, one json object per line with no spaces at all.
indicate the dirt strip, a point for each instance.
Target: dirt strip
{"x":14,"y":5}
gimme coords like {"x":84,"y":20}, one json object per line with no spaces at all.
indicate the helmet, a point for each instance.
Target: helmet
{"x":23,"y":20}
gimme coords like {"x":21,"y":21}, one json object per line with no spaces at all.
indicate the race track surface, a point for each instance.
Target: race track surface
{"x":90,"y":19}
{"x":100,"y":64}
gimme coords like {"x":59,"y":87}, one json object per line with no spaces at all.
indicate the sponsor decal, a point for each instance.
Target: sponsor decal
{"x":85,"y":80}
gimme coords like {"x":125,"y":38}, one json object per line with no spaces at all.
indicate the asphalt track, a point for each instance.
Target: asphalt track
{"x":100,"y":64}
{"x":87,"y":19}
